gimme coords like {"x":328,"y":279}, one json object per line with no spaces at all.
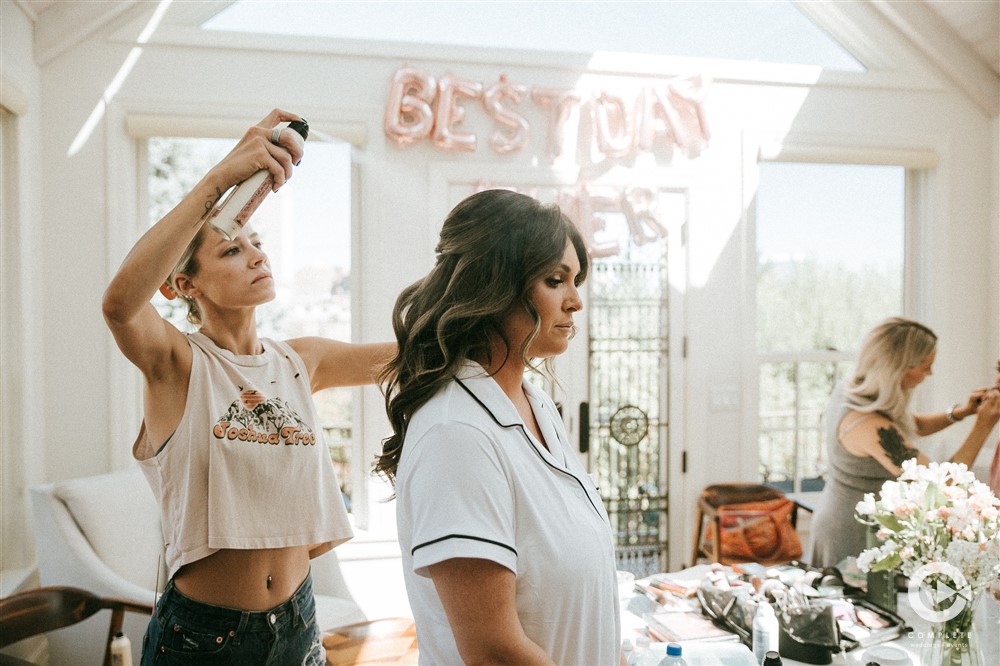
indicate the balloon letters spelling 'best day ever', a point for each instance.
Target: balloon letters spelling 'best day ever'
{"x":421,"y":107}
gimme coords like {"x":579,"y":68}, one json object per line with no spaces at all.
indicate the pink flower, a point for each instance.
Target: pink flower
{"x":955,"y":492}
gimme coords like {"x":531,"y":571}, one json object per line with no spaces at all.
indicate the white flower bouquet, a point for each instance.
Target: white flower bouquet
{"x":937,"y":524}
{"x":934,"y":513}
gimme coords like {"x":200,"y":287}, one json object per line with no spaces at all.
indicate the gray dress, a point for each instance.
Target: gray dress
{"x":836,"y":534}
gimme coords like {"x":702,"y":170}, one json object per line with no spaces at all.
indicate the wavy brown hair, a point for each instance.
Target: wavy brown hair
{"x":494,"y":246}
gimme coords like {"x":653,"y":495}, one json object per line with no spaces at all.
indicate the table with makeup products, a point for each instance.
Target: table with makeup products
{"x":640,"y":600}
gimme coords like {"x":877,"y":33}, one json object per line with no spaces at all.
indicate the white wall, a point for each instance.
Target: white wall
{"x":86,"y":203}
{"x":23,"y":423}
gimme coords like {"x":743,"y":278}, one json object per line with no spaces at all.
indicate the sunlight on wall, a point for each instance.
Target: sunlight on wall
{"x":116,"y":83}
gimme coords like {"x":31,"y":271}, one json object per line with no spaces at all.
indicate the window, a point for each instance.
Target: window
{"x":829,"y":267}
{"x":306,"y":231}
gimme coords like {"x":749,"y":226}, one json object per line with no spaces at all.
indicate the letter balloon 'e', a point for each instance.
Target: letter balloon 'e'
{"x":449,"y":114}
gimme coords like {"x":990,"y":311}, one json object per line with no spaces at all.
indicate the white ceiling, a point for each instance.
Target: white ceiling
{"x":976,"y":23}
{"x":960,"y":35}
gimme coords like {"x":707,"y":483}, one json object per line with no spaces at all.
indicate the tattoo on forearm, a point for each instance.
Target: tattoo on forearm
{"x":210,"y":204}
{"x":894,"y":444}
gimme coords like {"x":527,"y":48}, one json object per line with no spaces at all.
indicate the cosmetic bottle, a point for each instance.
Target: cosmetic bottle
{"x":121,"y":650}
{"x":628,"y":654}
{"x":765,"y":631}
{"x":643,"y":655}
{"x":236,"y":207}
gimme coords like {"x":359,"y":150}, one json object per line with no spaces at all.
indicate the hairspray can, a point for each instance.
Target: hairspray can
{"x":234,"y":209}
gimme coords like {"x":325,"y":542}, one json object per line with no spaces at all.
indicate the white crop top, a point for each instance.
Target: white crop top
{"x":248,"y":467}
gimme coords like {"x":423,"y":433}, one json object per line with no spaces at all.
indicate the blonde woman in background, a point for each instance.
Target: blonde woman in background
{"x":871,"y":431}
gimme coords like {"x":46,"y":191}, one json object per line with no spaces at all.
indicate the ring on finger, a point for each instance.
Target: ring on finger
{"x":275,"y":134}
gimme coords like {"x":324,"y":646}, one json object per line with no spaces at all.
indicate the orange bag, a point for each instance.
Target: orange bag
{"x":758,"y":531}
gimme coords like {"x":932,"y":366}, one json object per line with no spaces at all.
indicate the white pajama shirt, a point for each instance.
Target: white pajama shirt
{"x":473,"y":483}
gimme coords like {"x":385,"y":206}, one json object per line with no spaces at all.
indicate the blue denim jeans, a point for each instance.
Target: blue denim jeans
{"x":189,"y":632}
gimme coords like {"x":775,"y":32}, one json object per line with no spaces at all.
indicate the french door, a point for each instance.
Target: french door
{"x":623,"y":420}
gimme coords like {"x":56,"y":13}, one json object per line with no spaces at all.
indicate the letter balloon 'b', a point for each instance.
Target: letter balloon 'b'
{"x":408,"y":113}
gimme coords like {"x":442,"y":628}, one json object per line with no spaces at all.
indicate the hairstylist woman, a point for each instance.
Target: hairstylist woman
{"x":230,"y":440}
{"x":870,"y":430}
{"x":507,"y":551}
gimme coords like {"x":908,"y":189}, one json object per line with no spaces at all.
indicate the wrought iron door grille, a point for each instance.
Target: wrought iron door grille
{"x":628,"y":397}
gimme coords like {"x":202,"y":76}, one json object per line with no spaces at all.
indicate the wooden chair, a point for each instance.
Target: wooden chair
{"x":714,"y":497}
{"x":46,"y":609}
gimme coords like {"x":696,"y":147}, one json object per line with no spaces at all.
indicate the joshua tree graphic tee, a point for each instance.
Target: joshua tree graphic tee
{"x":248,"y":466}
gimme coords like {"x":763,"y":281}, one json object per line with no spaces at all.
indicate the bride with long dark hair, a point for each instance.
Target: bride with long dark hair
{"x":507,"y":550}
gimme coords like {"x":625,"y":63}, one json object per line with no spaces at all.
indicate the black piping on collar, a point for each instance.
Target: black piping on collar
{"x":524,"y":433}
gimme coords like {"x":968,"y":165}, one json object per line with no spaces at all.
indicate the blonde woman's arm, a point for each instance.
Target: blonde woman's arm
{"x":335,"y":363}
{"x":928,"y":424}
{"x":986,"y":419}
{"x":877,"y":437}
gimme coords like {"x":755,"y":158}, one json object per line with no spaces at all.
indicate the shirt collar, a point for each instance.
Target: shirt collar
{"x":484,"y":390}
{"x":489,"y":394}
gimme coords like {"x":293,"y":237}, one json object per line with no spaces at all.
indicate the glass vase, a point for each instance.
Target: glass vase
{"x":954,"y":642}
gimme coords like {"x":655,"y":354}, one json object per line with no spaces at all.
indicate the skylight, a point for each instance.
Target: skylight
{"x":775,"y":32}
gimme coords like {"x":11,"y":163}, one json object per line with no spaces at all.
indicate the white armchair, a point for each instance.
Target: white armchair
{"x":102,"y":534}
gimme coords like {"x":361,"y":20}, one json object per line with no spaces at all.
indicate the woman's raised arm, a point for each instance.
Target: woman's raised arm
{"x":335,"y":363}
{"x":143,"y":336}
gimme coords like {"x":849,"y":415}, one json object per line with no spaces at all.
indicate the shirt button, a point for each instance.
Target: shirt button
{"x":272,"y":618}
{"x":218,"y":639}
